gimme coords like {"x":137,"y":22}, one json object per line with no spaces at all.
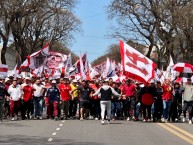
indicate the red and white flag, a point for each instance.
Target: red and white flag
{"x":38,"y":58}
{"x":16,"y":71}
{"x":3,"y":70}
{"x":25,"y":64}
{"x":135,"y":65}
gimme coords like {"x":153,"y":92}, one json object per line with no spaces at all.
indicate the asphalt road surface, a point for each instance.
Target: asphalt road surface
{"x":91,"y":132}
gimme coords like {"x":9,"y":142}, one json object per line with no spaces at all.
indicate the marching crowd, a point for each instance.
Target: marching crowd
{"x":97,"y":99}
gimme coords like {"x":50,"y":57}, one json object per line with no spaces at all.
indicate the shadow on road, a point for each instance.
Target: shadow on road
{"x":35,"y":140}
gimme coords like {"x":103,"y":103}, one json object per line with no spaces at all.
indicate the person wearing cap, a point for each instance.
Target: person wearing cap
{"x":53,"y":94}
{"x":27,"y":99}
{"x":3,"y":93}
{"x":65,"y":90}
{"x":188,"y":101}
{"x":128,"y":90}
{"x":106,"y":93}
{"x":15,"y":97}
{"x":167,"y":99}
{"x":74,"y":99}
{"x":38,"y":93}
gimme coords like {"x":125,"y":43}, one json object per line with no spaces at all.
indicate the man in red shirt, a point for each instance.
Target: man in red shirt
{"x":27,"y":102}
{"x":65,"y":90}
{"x":128,"y":90}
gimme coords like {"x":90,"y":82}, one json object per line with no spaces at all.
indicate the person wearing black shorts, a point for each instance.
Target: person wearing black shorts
{"x":85,"y":92}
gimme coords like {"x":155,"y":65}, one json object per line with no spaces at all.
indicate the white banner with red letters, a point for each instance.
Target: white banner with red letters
{"x":135,"y":65}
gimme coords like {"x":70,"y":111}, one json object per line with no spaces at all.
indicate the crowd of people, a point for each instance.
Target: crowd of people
{"x":65,"y":98}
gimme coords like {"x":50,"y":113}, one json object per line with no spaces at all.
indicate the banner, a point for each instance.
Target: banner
{"x":135,"y":65}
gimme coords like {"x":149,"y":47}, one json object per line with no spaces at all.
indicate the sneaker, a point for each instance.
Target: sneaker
{"x":91,"y":117}
{"x":176,"y":120}
{"x":166,"y":121}
{"x":12,"y":119}
{"x":40,"y":117}
{"x":190,"y":121}
{"x":108,"y":122}
{"x":128,"y":119}
{"x":96,"y":118}
{"x":144,"y":120}
{"x":102,"y":122}
{"x":148,"y":120}
{"x":184,"y":119}
{"x":56,"y":118}
{"x":81,"y":118}
{"x":163,"y":120}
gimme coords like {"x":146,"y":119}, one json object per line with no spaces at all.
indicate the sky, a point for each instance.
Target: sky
{"x":95,"y":27}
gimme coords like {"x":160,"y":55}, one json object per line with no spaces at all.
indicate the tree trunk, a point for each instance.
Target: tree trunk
{"x":3,"y":52}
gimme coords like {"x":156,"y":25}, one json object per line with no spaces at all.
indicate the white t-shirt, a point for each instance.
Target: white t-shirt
{"x":38,"y":92}
{"x":15,"y":93}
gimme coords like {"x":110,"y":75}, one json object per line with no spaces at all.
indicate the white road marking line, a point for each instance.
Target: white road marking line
{"x":50,"y":139}
{"x":63,"y":121}
{"x":61,"y":125}
{"x":54,"y":133}
{"x":57,"y":128}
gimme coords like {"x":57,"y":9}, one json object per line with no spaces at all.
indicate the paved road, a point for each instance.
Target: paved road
{"x":91,"y":132}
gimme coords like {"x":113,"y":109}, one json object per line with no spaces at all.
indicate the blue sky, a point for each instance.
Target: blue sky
{"x":95,"y":26}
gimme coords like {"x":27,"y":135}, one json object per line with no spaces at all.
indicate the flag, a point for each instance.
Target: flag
{"x":38,"y":58}
{"x":3,"y":70}
{"x":135,"y":65}
{"x":25,"y":64}
{"x":82,"y":67}
{"x":109,"y":71}
{"x":170,"y":73}
{"x":68,"y":64}
{"x":93,"y":72}
{"x":38,"y":71}
{"x":16,"y":71}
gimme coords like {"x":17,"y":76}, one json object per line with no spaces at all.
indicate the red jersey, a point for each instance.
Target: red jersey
{"x":65,"y":91}
{"x":129,"y":91}
{"x":94,"y":87}
{"x":27,"y":93}
{"x":167,"y":92}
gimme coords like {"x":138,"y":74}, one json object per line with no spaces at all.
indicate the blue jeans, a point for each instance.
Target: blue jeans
{"x":166,"y":108}
{"x":38,"y":106}
{"x":116,"y":107}
{"x":136,"y":110}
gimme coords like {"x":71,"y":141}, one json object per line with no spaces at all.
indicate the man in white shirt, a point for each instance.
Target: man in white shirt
{"x":188,"y":100}
{"x":15,"y":96}
{"x":38,"y":99}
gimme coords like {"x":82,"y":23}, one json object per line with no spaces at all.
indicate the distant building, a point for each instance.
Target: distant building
{"x":10,"y":57}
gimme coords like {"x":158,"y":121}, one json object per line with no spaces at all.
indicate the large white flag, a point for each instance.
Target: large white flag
{"x":135,"y":65}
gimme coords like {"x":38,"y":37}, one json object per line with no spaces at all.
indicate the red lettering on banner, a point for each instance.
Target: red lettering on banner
{"x":143,"y":70}
{"x":135,"y":57}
